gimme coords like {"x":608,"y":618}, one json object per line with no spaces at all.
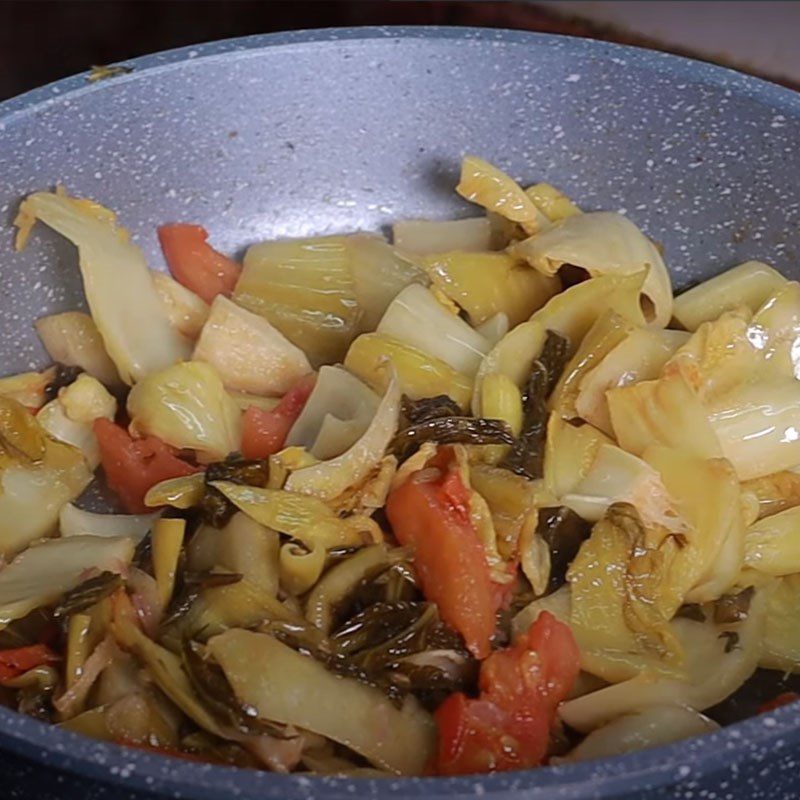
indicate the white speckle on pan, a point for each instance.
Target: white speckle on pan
{"x":573,"y":78}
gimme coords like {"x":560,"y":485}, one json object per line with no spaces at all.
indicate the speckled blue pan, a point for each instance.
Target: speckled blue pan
{"x":333,"y":131}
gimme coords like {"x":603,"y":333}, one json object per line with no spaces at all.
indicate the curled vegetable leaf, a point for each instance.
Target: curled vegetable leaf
{"x":486,"y":185}
{"x":603,"y":243}
{"x":337,"y":413}
{"x":621,"y":603}
{"x":137,"y":336}
{"x":329,"y":479}
{"x":305,"y":518}
{"x":570,"y":313}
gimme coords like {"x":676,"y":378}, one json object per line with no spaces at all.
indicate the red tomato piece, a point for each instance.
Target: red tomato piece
{"x":449,"y":558}
{"x":133,"y":466}
{"x":194,"y":263}
{"x":781,"y":700}
{"x":508,"y":726}
{"x":21,"y":659}
{"x":264,"y":432}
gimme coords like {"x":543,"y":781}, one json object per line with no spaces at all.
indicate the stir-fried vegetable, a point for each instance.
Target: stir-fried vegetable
{"x":419,"y":374}
{"x":521,"y":523}
{"x":247,"y":352}
{"x":186,"y":406}
{"x":137,"y":335}
{"x":37,"y":476}
{"x":72,"y":338}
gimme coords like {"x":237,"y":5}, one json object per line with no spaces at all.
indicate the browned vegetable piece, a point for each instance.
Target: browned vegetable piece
{"x":215,"y":509}
{"x":451,"y":430}
{"x":526,"y":456}
{"x":731,"y":608}
{"x":62,"y":377}
{"x":564,"y":532}
{"x":188,"y":588}
{"x":416,"y":411}
{"x":88,"y":593}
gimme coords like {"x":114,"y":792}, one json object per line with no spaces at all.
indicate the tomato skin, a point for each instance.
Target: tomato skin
{"x":21,"y":659}
{"x":264,"y":432}
{"x":777,"y":702}
{"x":449,"y":558}
{"x":133,"y":466}
{"x":508,"y":726}
{"x":194,"y":263}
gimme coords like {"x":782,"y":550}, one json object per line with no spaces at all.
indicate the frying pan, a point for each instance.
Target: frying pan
{"x":339,"y":130}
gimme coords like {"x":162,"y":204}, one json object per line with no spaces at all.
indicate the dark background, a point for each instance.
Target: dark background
{"x":42,"y":41}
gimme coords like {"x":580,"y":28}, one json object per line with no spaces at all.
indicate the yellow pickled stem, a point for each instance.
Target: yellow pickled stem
{"x":77,"y":646}
{"x":501,"y":399}
{"x":167,"y":542}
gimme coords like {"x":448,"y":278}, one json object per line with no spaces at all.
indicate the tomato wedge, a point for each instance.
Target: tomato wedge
{"x":508,"y":726}
{"x":21,"y":659}
{"x":264,"y":432}
{"x":194,"y":263}
{"x":449,"y":558}
{"x":133,"y":466}
{"x":778,"y":702}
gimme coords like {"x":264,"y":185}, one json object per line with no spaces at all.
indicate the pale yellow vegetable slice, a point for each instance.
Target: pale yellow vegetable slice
{"x":373,"y":356}
{"x":72,"y":338}
{"x":249,"y":354}
{"x":551,"y":201}
{"x":186,"y":312}
{"x":486,"y":284}
{"x":639,"y":357}
{"x":167,"y":537}
{"x":748,"y":284}
{"x":287,"y":687}
{"x":423,"y":237}
{"x":486,"y":185}
{"x":570,"y":451}
{"x":329,"y":479}
{"x":137,"y":335}
{"x":417,"y":319}
{"x":186,"y":406}
{"x":772,"y":545}
{"x":307,"y":519}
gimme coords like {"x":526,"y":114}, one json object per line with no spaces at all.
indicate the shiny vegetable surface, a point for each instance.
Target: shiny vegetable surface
{"x":485,"y":497}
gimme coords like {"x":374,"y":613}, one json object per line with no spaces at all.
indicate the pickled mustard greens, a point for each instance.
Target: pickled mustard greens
{"x":367,"y":484}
